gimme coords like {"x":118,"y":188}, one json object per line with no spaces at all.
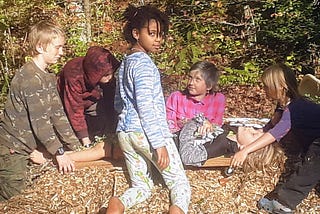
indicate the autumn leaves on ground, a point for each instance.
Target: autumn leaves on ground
{"x":87,"y":189}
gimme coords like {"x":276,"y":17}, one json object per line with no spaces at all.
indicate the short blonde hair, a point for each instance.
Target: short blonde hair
{"x":42,"y":34}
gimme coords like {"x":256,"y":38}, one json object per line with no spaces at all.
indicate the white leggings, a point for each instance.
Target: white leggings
{"x":138,"y":154}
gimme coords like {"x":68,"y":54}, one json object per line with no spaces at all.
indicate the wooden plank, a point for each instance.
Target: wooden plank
{"x":107,"y":163}
{"x":217,"y":162}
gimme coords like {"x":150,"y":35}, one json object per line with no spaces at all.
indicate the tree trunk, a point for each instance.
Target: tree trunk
{"x":86,"y":6}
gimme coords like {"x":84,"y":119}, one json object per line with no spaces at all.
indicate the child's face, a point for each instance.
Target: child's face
{"x":53,"y":51}
{"x":106,"y":79}
{"x":149,"y":38}
{"x":196,"y":84}
{"x":270,"y":93}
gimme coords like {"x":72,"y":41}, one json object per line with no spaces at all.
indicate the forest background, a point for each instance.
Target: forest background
{"x":241,"y":37}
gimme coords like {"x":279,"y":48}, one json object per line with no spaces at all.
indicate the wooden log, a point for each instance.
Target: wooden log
{"x":217,"y":162}
{"x":107,"y":163}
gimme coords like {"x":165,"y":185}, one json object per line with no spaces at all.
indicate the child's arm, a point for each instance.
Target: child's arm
{"x":74,"y":107}
{"x":150,"y":104}
{"x":39,"y":114}
{"x":239,"y":158}
{"x":60,"y":123}
{"x":276,"y":133}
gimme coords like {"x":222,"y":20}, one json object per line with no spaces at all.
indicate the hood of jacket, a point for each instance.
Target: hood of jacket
{"x":98,"y":62}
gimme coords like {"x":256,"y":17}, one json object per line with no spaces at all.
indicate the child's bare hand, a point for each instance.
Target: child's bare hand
{"x":239,"y":158}
{"x":163,"y":158}
{"x":65,"y":163}
{"x":205,"y":128}
{"x":37,"y":157}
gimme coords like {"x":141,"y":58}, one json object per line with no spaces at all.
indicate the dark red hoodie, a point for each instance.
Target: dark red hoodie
{"x":79,"y":87}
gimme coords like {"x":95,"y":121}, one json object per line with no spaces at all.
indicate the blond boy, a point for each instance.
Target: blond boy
{"x":33,"y":115}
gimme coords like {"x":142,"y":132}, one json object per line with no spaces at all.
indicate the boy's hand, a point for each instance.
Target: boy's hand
{"x":65,"y":163}
{"x":37,"y":157}
{"x":86,"y":141}
{"x":163,"y":158}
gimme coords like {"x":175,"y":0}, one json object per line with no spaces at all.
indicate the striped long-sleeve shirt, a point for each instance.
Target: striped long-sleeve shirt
{"x":139,"y":99}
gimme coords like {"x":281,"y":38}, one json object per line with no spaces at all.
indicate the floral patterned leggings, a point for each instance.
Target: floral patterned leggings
{"x":138,"y":154}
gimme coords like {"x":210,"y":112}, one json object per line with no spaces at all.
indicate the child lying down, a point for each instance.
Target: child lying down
{"x":195,"y":148}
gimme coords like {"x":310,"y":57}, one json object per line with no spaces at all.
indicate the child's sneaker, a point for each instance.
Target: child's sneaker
{"x":273,"y":206}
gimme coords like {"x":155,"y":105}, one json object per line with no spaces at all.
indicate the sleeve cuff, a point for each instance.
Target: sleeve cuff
{"x":52,"y":149}
{"x":82,"y":134}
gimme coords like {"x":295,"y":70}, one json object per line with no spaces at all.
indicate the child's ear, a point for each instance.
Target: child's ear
{"x":40,"y":48}
{"x":135,"y":34}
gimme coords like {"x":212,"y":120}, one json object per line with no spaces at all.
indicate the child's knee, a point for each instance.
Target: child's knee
{"x":13,"y":168}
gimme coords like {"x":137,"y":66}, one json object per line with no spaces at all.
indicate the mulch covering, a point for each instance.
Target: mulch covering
{"x":87,"y":189}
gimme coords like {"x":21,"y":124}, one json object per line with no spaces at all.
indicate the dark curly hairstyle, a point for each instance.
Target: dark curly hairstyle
{"x":139,"y":17}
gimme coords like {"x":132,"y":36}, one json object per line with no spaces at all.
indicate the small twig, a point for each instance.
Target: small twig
{"x":114,"y":188}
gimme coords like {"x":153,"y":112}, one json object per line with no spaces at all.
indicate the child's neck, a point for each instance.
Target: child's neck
{"x":285,"y":101}
{"x":40,"y":63}
{"x":137,"y":48}
{"x":198,"y":97}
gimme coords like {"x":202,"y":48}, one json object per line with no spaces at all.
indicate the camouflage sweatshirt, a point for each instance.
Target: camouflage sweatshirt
{"x":34,"y":114}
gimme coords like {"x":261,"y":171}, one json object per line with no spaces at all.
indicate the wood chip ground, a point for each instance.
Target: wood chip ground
{"x":87,"y":189}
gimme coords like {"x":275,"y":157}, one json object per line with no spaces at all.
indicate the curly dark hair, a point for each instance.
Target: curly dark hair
{"x":139,"y":17}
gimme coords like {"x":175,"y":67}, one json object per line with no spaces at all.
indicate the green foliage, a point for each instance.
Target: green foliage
{"x":240,"y":37}
{"x":248,"y":75}
{"x":314,"y":98}
{"x":198,"y":34}
{"x":15,"y":19}
{"x":290,"y":28}
{"x":17,"y":16}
